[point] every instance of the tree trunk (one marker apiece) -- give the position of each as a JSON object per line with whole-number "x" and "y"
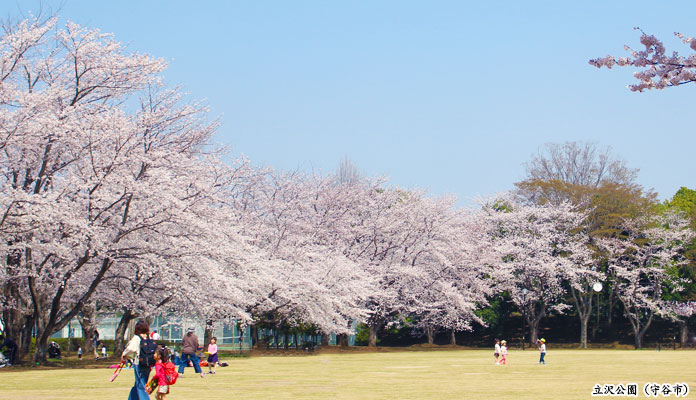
{"x": 41, "y": 350}
{"x": 639, "y": 328}
{"x": 208, "y": 334}
{"x": 325, "y": 339}
{"x": 18, "y": 325}
{"x": 88, "y": 323}
{"x": 25, "y": 339}
{"x": 583, "y": 305}
{"x": 453, "y": 338}
{"x": 610, "y": 309}
{"x": 583, "y": 331}
{"x": 51, "y": 316}
{"x": 372, "y": 338}
{"x": 342, "y": 340}
{"x": 534, "y": 328}
{"x": 595, "y": 327}
{"x": 254, "y": 335}
{"x": 430, "y": 334}
{"x": 533, "y": 313}
{"x": 123, "y": 323}
{"x": 639, "y": 340}
{"x": 683, "y": 333}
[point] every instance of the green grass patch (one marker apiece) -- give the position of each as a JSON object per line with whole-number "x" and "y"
{"x": 445, "y": 374}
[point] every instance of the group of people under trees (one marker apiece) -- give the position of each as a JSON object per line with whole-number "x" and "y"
{"x": 145, "y": 354}
{"x": 500, "y": 352}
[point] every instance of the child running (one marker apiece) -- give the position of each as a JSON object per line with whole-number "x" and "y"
{"x": 542, "y": 350}
{"x": 503, "y": 353}
{"x": 496, "y": 352}
{"x": 212, "y": 355}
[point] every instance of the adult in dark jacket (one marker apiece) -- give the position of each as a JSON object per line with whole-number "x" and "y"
{"x": 189, "y": 346}
{"x": 10, "y": 347}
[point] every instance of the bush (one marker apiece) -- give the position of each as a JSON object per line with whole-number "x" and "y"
{"x": 362, "y": 335}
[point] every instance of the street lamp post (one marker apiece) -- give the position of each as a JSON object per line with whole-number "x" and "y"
{"x": 524, "y": 321}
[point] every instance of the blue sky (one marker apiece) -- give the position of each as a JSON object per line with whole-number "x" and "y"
{"x": 450, "y": 96}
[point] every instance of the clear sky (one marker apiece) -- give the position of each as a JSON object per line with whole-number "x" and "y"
{"x": 450, "y": 96}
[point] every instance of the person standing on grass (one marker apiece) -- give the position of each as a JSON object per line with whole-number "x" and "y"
{"x": 496, "y": 352}
{"x": 503, "y": 353}
{"x": 95, "y": 342}
{"x": 140, "y": 343}
{"x": 212, "y": 355}
{"x": 11, "y": 348}
{"x": 79, "y": 352}
{"x": 542, "y": 350}
{"x": 189, "y": 346}
{"x": 162, "y": 363}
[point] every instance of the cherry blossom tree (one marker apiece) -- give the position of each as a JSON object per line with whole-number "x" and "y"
{"x": 659, "y": 69}
{"x": 581, "y": 279}
{"x": 683, "y": 310}
{"x": 643, "y": 264}
{"x": 450, "y": 255}
{"x": 298, "y": 224}
{"x": 91, "y": 181}
{"x": 386, "y": 235}
{"x": 538, "y": 248}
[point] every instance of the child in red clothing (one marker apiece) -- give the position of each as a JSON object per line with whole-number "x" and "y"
{"x": 161, "y": 357}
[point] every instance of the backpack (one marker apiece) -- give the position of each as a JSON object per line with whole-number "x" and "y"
{"x": 147, "y": 352}
{"x": 170, "y": 373}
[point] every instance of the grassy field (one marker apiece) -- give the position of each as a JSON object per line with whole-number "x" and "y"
{"x": 451, "y": 374}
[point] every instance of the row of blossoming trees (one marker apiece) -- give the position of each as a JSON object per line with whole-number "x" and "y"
{"x": 113, "y": 199}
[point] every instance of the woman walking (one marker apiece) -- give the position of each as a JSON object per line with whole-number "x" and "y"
{"x": 141, "y": 370}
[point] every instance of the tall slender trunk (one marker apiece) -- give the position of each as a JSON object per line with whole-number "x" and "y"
{"x": 595, "y": 327}
{"x": 453, "y": 338}
{"x": 583, "y": 331}
{"x": 209, "y": 331}
{"x": 610, "y": 309}
{"x": 683, "y": 333}
{"x": 534, "y": 331}
{"x": 583, "y": 305}
{"x": 430, "y": 334}
{"x": 325, "y": 339}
